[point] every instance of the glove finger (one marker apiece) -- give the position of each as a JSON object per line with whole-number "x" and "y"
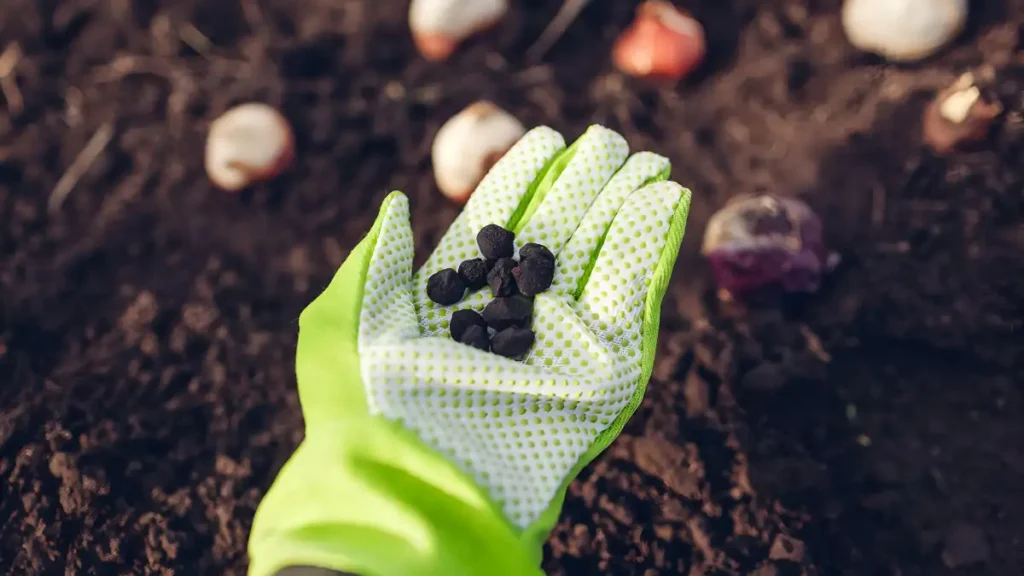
{"x": 387, "y": 312}
{"x": 555, "y": 212}
{"x": 632, "y": 269}
{"x": 501, "y": 196}
{"x": 577, "y": 258}
{"x": 330, "y": 327}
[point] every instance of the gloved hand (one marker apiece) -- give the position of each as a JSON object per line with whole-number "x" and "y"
{"x": 424, "y": 456}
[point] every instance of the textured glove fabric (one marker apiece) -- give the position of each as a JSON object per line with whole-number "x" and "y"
{"x": 519, "y": 428}
{"x": 424, "y": 456}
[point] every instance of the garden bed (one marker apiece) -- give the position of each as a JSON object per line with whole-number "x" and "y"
{"x": 148, "y": 322}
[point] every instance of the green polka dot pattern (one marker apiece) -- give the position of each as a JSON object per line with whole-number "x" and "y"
{"x": 600, "y": 154}
{"x": 518, "y": 428}
{"x": 573, "y": 260}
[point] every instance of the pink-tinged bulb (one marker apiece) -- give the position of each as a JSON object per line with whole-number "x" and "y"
{"x": 662, "y": 43}
{"x": 765, "y": 243}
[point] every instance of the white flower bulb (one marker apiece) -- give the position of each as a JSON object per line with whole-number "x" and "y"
{"x": 903, "y": 30}
{"x": 439, "y": 26}
{"x": 247, "y": 144}
{"x": 468, "y": 145}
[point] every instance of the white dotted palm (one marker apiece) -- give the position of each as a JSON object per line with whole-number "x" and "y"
{"x": 519, "y": 428}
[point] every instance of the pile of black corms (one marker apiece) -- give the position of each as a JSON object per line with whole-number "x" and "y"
{"x": 513, "y": 283}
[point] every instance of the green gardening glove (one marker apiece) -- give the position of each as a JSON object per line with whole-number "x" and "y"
{"x": 424, "y": 456}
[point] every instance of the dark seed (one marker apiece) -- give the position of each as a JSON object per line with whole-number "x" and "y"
{"x": 512, "y": 342}
{"x": 476, "y": 336}
{"x": 462, "y": 320}
{"x": 495, "y": 242}
{"x": 446, "y": 287}
{"x": 502, "y": 313}
{"x": 534, "y": 275}
{"x": 500, "y": 278}
{"x": 533, "y": 250}
{"x": 474, "y": 273}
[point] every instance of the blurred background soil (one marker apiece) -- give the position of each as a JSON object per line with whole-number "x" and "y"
{"x": 147, "y": 325}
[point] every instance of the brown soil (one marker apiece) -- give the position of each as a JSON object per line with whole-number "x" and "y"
{"x": 147, "y": 324}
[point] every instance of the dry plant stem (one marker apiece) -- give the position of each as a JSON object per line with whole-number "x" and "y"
{"x": 80, "y": 165}
{"x": 195, "y": 39}
{"x": 8, "y": 83}
{"x": 255, "y": 19}
{"x": 565, "y": 16}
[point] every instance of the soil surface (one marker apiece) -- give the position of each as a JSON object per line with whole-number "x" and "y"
{"x": 148, "y": 322}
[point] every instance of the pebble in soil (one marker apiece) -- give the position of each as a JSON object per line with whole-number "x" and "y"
{"x": 464, "y": 319}
{"x": 496, "y": 242}
{"x": 446, "y": 287}
{"x": 500, "y": 278}
{"x": 474, "y": 273}
{"x": 502, "y": 313}
{"x": 512, "y": 342}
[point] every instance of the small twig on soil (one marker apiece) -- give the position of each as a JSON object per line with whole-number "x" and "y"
{"x": 565, "y": 16}
{"x": 124, "y": 65}
{"x": 254, "y": 17}
{"x": 8, "y": 83}
{"x": 878, "y": 202}
{"x": 80, "y": 165}
{"x": 180, "y": 78}
{"x": 814, "y": 344}
{"x": 195, "y": 39}
{"x": 73, "y": 99}
{"x": 533, "y": 75}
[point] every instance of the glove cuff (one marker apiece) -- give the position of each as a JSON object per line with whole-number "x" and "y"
{"x": 365, "y": 496}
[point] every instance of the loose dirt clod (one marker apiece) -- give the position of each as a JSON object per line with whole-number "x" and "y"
{"x": 512, "y": 342}
{"x": 496, "y": 242}
{"x": 476, "y": 336}
{"x": 965, "y": 545}
{"x": 502, "y": 313}
{"x": 446, "y": 287}
{"x": 532, "y": 250}
{"x": 500, "y": 278}
{"x": 462, "y": 320}
{"x": 534, "y": 275}
{"x": 474, "y": 273}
